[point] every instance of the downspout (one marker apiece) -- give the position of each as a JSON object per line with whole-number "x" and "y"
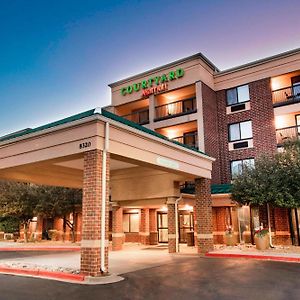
{"x": 269, "y": 224}
{"x": 103, "y": 199}
{"x": 176, "y": 223}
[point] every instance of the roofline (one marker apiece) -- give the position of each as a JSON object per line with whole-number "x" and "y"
{"x": 92, "y": 115}
{"x": 258, "y": 62}
{"x": 176, "y": 62}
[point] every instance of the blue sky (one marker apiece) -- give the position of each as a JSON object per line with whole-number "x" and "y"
{"x": 57, "y": 57}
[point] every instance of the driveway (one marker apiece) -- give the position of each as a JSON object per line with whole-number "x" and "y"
{"x": 131, "y": 258}
{"x": 187, "y": 278}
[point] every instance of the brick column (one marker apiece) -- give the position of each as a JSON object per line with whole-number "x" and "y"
{"x": 144, "y": 226}
{"x": 91, "y": 214}
{"x": 204, "y": 215}
{"x": 117, "y": 228}
{"x": 153, "y": 227}
{"x": 171, "y": 226}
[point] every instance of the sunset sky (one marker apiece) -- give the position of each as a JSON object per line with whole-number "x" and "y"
{"x": 57, "y": 57}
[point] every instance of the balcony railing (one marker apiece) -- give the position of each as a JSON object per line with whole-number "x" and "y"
{"x": 140, "y": 117}
{"x": 286, "y": 95}
{"x": 287, "y": 134}
{"x": 189, "y": 139}
{"x": 175, "y": 109}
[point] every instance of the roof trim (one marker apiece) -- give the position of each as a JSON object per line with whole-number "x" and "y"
{"x": 176, "y": 62}
{"x": 258, "y": 62}
{"x": 91, "y": 113}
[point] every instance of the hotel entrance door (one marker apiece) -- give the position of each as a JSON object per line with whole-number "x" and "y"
{"x": 186, "y": 224}
{"x": 162, "y": 226}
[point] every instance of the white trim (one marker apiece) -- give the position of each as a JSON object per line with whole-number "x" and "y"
{"x": 118, "y": 234}
{"x": 93, "y": 243}
{"x": 144, "y": 233}
{"x": 205, "y": 236}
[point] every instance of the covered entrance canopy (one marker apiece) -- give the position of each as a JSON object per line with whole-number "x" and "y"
{"x": 102, "y": 153}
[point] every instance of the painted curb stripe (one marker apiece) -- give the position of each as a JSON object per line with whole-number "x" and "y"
{"x": 40, "y": 249}
{"x": 42, "y": 273}
{"x": 261, "y": 257}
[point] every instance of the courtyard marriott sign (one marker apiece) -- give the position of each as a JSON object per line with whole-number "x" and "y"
{"x": 154, "y": 84}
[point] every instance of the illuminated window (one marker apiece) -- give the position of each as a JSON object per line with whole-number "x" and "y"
{"x": 131, "y": 222}
{"x": 238, "y": 95}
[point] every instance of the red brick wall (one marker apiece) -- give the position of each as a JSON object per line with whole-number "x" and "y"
{"x": 171, "y": 228}
{"x": 203, "y": 206}
{"x": 91, "y": 213}
{"x": 282, "y": 227}
{"x": 219, "y": 224}
{"x": 132, "y": 237}
{"x": 211, "y": 136}
{"x": 262, "y": 116}
{"x": 144, "y": 226}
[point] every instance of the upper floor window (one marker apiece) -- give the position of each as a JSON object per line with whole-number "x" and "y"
{"x": 237, "y": 166}
{"x": 240, "y": 131}
{"x": 238, "y": 95}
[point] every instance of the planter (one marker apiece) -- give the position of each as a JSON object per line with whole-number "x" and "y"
{"x": 53, "y": 234}
{"x": 262, "y": 243}
{"x": 230, "y": 239}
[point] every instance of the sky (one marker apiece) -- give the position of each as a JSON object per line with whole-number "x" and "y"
{"x": 58, "y": 57}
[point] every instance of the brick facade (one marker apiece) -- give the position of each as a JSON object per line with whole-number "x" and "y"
{"x": 210, "y": 120}
{"x": 171, "y": 228}
{"x": 144, "y": 226}
{"x": 91, "y": 214}
{"x": 203, "y": 207}
{"x": 262, "y": 116}
{"x": 117, "y": 228}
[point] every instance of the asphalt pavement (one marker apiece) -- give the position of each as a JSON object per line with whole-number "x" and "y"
{"x": 189, "y": 278}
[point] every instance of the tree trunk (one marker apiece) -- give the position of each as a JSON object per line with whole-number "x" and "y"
{"x": 73, "y": 226}
{"x": 25, "y": 232}
{"x": 64, "y": 228}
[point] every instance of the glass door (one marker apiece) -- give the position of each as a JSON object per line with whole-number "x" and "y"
{"x": 162, "y": 226}
{"x": 244, "y": 224}
{"x": 296, "y": 86}
{"x": 186, "y": 224}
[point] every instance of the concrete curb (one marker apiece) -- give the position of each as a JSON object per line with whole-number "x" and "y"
{"x": 55, "y": 248}
{"x": 60, "y": 276}
{"x": 43, "y": 274}
{"x": 253, "y": 256}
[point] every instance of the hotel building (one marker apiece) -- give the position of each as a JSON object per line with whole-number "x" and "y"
{"x": 234, "y": 116}
{"x": 157, "y": 165}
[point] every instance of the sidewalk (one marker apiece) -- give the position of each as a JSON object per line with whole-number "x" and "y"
{"x": 279, "y": 253}
{"x": 39, "y": 246}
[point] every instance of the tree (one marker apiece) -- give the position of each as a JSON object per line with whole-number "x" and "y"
{"x": 18, "y": 200}
{"x": 59, "y": 202}
{"x": 23, "y": 201}
{"x": 274, "y": 180}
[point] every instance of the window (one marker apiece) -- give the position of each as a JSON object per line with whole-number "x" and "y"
{"x": 238, "y": 95}
{"x": 188, "y": 105}
{"x": 190, "y": 139}
{"x": 296, "y": 86}
{"x": 131, "y": 222}
{"x": 240, "y": 131}
{"x": 237, "y": 166}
